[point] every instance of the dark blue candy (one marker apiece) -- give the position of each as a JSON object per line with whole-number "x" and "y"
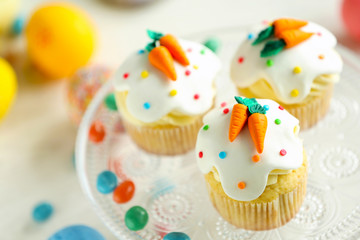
{"x": 42, "y": 212}
{"x": 77, "y": 232}
{"x": 106, "y": 182}
{"x": 176, "y": 236}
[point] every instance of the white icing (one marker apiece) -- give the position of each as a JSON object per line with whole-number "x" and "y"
{"x": 155, "y": 89}
{"x": 238, "y": 166}
{"x": 280, "y": 76}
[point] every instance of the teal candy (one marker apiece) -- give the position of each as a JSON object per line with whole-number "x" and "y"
{"x": 42, "y": 212}
{"x": 213, "y": 44}
{"x": 136, "y": 218}
{"x": 106, "y": 182}
{"x": 176, "y": 236}
{"x": 77, "y": 232}
{"x": 18, "y": 25}
{"x": 110, "y": 102}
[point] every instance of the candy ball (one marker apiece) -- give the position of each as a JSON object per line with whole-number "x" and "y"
{"x": 106, "y": 182}
{"x": 77, "y": 232}
{"x": 42, "y": 212}
{"x": 60, "y": 39}
{"x": 124, "y": 192}
{"x": 82, "y": 87}
{"x": 97, "y": 132}
{"x": 136, "y": 218}
{"x": 350, "y": 14}
{"x": 176, "y": 236}
{"x": 8, "y": 86}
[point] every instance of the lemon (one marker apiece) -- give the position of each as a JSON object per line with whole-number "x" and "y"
{"x": 8, "y": 86}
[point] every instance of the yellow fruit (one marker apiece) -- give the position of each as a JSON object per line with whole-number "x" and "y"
{"x": 8, "y": 86}
{"x": 60, "y": 39}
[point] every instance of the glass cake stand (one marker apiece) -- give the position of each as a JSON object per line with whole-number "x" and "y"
{"x": 172, "y": 189}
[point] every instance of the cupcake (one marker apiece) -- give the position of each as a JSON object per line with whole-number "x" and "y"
{"x": 254, "y": 164}
{"x": 292, "y": 62}
{"x": 163, "y": 91}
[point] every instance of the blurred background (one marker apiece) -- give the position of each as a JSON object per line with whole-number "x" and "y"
{"x": 37, "y": 133}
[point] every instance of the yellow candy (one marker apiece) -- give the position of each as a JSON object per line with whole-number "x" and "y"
{"x": 60, "y": 39}
{"x": 8, "y": 86}
{"x": 173, "y": 92}
{"x": 294, "y": 93}
{"x": 144, "y": 74}
{"x": 297, "y": 70}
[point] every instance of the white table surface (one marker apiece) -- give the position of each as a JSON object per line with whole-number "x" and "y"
{"x": 36, "y": 137}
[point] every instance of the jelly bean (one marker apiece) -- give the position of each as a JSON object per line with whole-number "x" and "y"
{"x": 97, "y": 132}
{"x": 124, "y": 192}
{"x": 110, "y": 102}
{"x": 213, "y": 44}
{"x": 176, "y": 236}
{"x": 77, "y": 232}
{"x": 106, "y": 182}
{"x": 42, "y": 212}
{"x": 136, "y": 218}
{"x": 18, "y": 25}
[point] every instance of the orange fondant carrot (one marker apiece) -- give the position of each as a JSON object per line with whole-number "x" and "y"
{"x": 284, "y": 24}
{"x": 172, "y": 44}
{"x": 238, "y": 119}
{"x": 257, "y": 123}
{"x": 294, "y": 37}
{"x": 161, "y": 58}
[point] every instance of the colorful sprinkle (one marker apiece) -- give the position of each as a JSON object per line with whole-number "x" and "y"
{"x": 226, "y": 111}
{"x": 265, "y": 22}
{"x": 241, "y": 185}
{"x": 126, "y": 75}
{"x": 201, "y": 154}
{"x": 106, "y": 182}
{"x": 144, "y": 74}
{"x": 277, "y": 121}
{"x": 136, "y": 218}
{"x": 202, "y": 51}
{"x": 223, "y": 104}
{"x": 269, "y": 63}
{"x": 42, "y": 212}
{"x": 97, "y": 132}
{"x": 196, "y": 96}
{"x": 266, "y": 107}
{"x": 296, "y": 129}
{"x": 187, "y": 72}
{"x": 255, "y": 158}
{"x": 147, "y": 105}
{"x": 319, "y": 34}
{"x": 173, "y": 92}
{"x": 206, "y": 127}
{"x": 282, "y": 152}
{"x": 141, "y": 51}
{"x": 294, "y": 92}
{"x": 241, "y": 59}
{"x": 297, "y": 70}
{"x": 124, "y": 192}
{"x": 281, "y": 107}
{"x": 196, "y": 67}
{"x": 222, "y": 155}
{"x": 189, "y": 50}
{"x": 250, "y": 36}
{"x": 321, "y": 56}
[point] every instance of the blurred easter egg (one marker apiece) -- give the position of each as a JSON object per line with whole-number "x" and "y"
{"x": 8, "y": 86}
{"x": 351, "y": 17}
{"x": 60, "y": 39}
{"x": 82, "y": 87}
{"x": 77, "y": 232}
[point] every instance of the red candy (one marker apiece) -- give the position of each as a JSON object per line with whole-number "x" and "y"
{"x": 223, "y": 104}
{"x": 124, "y": 192}
{"x": 282, "y": 152}
{"x": 281, "y": 107}
{"x": 126, "y": 75}
{"x": 241, "y": 59}
{"x": 201, "y": 154}
{"x": 187, "y": 72}
{"x": 196, "y": 96}
{"x": 226, "y": 111}
{"x": 97, "y": 132}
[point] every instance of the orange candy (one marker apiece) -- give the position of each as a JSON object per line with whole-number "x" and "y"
{"x": 97, "y": 132}
{"x": 241, "y": 185}
{"x": 124, "y": 192}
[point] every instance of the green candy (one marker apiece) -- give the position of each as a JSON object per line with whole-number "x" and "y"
{"x": 110, "y": 102}
{"x": 213, "y": 44}
{"x": 136, "y": 218}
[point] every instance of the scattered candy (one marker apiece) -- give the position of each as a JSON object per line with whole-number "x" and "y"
{"x": 201, "y": 154}
{"x": 269, "y": 63}
{"x": 147, "y": 105}
{"x": 266, "y": 107}
{"x": 202, "y": 51}
{"x": 144, "y": 74}
{"x": 97, "y": 132}
{"x": 196, "y": 96}
{"x": 241, "y": 185}
{"x": 77, "y": 232}
{"x": 18, "y": 25}
{"x": 222, "y": 155}
{"x": 126, "y": 75}
{"x": 277, "y": 121}
{"x": 196, "y": 67}
{"x": 124, "y": 192}
{"x": 173, "y": 92}
{"x": 256, "y": 158}
{"x": 282, "y": 152}
{"x": 110, "y": 102}
{"x": 281, "y": 107}
{"x": 176, "y": 236}
{"x": 223, "y": 104}
{"x": 206, "y": 127}
{"x": 294, "y": 93}
{"x": 106, "y": 182}
{"x": 42, "y": 212}
{"x": 141, "y": 51}
{"x": 213, "y": 44}
{"x": 226, "y": 111}
{"x": 321, "y": 56}
{"x": 297, "y": 70}
{"x": 250, "y": 36}
{"x": 241, "y": 59}
{"x": 187, "y": 72}
{"x": 136, "y": 218}
{"x": 319, "y": 34}
{"x": 189, "y": 50}
{"x": 8, "y": 86}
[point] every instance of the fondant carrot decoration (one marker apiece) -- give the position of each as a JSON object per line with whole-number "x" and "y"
{"x": 161, "y": 58}
{"x": 257, "y": 123}
{"x": 238, "y": 119}
{"x": 284, "y": 24}
{"x": 172, "y": 44}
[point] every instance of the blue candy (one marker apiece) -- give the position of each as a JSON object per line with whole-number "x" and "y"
{"x": 18, "y": 25}
{"x": 77, "y": 232}
{"x": 176, "y": 236}
{"x": 42, "y": 212}
{"x": 106, "y": 182}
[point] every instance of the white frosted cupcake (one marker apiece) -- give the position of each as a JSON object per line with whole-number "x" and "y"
{"x": 254, "y": 164}
{"x": 292, "y": 62}
{"x": 163, "y": 92}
